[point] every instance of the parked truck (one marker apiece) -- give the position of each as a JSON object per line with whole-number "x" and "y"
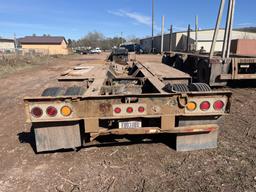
{"x": 126, "y": 98}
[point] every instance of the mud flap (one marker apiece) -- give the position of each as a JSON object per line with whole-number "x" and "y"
{"x": 191, "y": 142}
{"x": 55, "y": 136}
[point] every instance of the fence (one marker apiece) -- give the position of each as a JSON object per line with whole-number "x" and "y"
{"x": 18, "y": 57}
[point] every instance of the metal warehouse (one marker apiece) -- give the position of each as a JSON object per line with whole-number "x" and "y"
{"x": 179, "y": 40}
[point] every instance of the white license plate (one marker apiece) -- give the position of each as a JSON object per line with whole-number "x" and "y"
{"x": 244, "y": 66}
{"x": 130, "y": 124}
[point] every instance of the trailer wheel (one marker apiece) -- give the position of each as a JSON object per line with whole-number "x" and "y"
{"x": 203, "y": 72}
{"x": 178, "y": 64}
{"x": 176, "y": 88}
{"x": 202, "y": 87}
{"x": 71, "y": 91}
{"x": 166, "y": 60}
{"x": 180, "y": 88}
{"x": 53, "y": 91}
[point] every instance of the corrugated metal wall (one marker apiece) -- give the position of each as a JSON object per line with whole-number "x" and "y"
{"x": 179, "y": 40}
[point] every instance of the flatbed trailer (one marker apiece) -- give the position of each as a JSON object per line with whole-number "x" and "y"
{"x": 214, "y": 71}
{"x": 135, "y": 98}
{"x": 217, "y": 68}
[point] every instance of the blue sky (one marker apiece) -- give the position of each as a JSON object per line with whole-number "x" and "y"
{"x": 73, "y": 19}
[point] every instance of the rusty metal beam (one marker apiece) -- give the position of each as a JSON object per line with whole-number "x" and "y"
{"x": 224, "y": 48}
{"x": 231, "y": 27}
{"x": 217, "y": 27}
{"x": 153, "y": 130}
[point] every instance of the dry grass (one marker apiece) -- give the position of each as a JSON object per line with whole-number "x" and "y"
{"x": 12, "y": 62}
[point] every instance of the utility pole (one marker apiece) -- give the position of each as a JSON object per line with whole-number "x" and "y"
{"x": 170, "y": 38}
{"x": 15, "y": 41}
{"x": 152, "y": 45}
{"x": 196, "y": 33}
{"x": 162, "y": 36}
{"x": 188, "y": 38}
{"x": 122, "y": 37}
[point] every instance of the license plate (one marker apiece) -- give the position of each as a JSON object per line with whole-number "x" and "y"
{"x": 244, "y": 66}
{"x": 130, "y": 124}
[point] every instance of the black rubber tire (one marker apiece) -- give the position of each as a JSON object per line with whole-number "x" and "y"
{"x": 176, "y": 88}
{"x": 202, "y": 87}
{"x": 178, "y": 64}
{"x": 72, "y": 91}
{"x": 190, "y": 66}
{"x": 53, "y": 91}
{"x": 180, "y": 88}
{"x": 165, "y": 60}
{"x": 203, "y": 72}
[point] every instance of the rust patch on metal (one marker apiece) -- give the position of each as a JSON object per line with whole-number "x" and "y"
{"x": 105, "y": 107}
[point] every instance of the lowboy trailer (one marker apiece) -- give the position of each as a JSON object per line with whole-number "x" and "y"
{"x": 214, "y": 71}
{"x": 132, "y": 98}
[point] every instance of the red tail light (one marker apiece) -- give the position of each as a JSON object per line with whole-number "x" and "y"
{"x": 51, "y": 111}
{"x": 117, "y": 110}
{"x": 37, "y": 112}
{"x": 129, "y": 110}
{"x": 218, "y": 105}
{"x": 204, "y": 106}
{"x": 141, "y": 109}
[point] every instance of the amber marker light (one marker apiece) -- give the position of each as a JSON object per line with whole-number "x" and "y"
{"x": 66, "y": 111}
{"x": 191, "y": 106}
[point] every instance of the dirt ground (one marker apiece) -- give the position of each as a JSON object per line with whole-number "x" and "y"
{"x": 149, "y": 166}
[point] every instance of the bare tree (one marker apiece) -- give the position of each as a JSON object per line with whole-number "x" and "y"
{"x": 133, "y": 39}
{"x": 97, "y": 39}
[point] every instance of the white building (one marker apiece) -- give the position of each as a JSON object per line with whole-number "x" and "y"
{"x": 179, "y": 40}
{"x": 7, "y": 45}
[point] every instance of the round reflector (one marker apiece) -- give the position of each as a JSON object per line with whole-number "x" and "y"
{"x": 51, "y": 111}
{"x": 129, "y": 110}
{"x": 66, "y": 111}
{"x": 141, "y": 109}
{"x": 117, "y": 110}
{"x": 204, "y": 106}
{"x": 37, "y": 112}
{"x": 191, "y": 106}
{"x": 218, "y": 105}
